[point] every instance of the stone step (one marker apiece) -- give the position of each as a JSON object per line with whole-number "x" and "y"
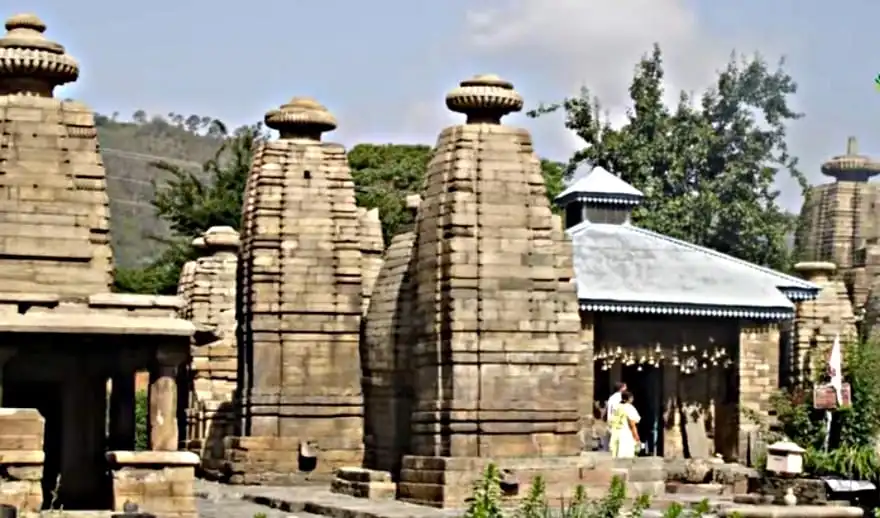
{"x": 707, "y": 490}
{"x": 322, "y": 502}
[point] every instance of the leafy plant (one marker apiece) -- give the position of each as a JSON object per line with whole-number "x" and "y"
{"x": 852, "y": 453}
{"x": 486, "y": 502}
{"x": 141, "y": 413}
{"x": 486, "y": 499}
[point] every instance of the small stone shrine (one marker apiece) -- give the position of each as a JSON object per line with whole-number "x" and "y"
{"x": 64, "y": 335}
{"x": 300, "y": 291}
{"x": 207, "y": 285}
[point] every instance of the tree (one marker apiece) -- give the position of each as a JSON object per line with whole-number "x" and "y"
{"x": 191, "y": 203}
{"x": 139, "y": 117}
{"x": 707, "y": 167}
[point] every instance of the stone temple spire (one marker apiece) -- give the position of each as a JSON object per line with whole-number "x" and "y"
{"x": 302, "y": 118}
{"x": 484, "y": 99}
{"x": 851, "y": 167}
{"x": 494, "y": 332}
{"x": 30, "y": 64}
{"x": 300, "y": 301}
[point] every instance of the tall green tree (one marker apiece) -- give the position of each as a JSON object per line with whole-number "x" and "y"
{"x": 708, "y": 165}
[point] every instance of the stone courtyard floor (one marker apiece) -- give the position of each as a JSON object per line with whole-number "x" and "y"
{"x": 222, "y": 501}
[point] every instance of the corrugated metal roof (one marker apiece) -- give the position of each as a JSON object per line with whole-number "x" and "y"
{"x": 626, "y": 268}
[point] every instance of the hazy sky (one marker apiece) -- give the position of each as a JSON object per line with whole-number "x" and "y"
{"x": 383, "y": 66}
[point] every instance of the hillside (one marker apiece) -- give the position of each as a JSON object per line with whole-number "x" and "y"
{"x": 128, "y": 149}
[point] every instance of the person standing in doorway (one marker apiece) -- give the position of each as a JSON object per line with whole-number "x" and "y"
{"x": 613, "y": 402}
{"x": 625, "y": 441}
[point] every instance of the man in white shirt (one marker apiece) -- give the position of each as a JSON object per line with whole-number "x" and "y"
{"x": 613, "y": 401}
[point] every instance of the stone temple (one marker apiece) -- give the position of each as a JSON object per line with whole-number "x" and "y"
{"x": 301, "y": 350}
{"x": 302, "y": 284}
{"x": 64, "y": 335}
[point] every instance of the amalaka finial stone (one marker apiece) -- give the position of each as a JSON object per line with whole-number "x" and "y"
{"x": 302, "y": 117}
{"x": 851, "y": 167}
{"x": 30, "y": 64}
{"x": 484, "y": 99}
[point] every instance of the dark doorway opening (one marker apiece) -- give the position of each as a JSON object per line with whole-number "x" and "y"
{"x": 646, "y": 385}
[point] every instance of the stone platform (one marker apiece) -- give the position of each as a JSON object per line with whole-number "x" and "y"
{"x": 447, "y": 481}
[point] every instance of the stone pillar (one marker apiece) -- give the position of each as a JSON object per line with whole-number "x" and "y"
{"x": 163, "y": 400}
{"x": 122, "y": 413}
{"x": 758, "y": 370}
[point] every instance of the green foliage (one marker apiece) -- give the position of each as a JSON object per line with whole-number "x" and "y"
{"x": 160, "y": 276}
{"x": 854, "y": 430}
{"x": 486, "y": 502}
{"x": 191, "y": 203}
{"x": 707, "y": 167}
{"x": 554, "y": 179}
{"x": 384, "y": 175}
{"x": 141, "y": 416}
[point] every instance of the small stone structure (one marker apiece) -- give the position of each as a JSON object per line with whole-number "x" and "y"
{"x": 301, "y": 287}
{"x": 22, "y": 459}
{"x": 63, "y": 334}
{"x": 207, "y": 285}
{"x": 818, "y": 322}
{"x": 839, "y": 219}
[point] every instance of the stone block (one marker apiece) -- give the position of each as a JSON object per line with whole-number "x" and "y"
{"x": 159, "y": 482}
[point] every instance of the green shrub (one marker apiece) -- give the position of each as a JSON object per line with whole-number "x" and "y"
{"x": 852, "y": 452}
{"x": 485, "y": 502}
{"x": 141, "y": 415}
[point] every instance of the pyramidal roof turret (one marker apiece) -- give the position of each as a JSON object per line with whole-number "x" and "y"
{"x": 599, "y": 186}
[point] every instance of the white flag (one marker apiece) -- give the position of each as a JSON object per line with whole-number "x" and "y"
{"x": 835, "y": 369}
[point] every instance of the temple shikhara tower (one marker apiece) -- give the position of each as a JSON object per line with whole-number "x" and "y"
{"x": 300, "y": 303}
{"x": 65, "y": 438}
{"x": 839, "y": 220}
{"x": 495, "y": 335}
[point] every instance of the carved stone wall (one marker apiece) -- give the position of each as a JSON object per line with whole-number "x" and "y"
{"x": 386, "y": 358}
{"x": 372, "y": 248}
{"x": 300, "y": 304}
{"x": 818, "y": 322}
{"x": 758, "y": 378}
{"x": 54, "y": 221}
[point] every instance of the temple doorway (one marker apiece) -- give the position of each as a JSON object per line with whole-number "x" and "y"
{"x": 646, "y": 386}
{"x": 45, "y": 397}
